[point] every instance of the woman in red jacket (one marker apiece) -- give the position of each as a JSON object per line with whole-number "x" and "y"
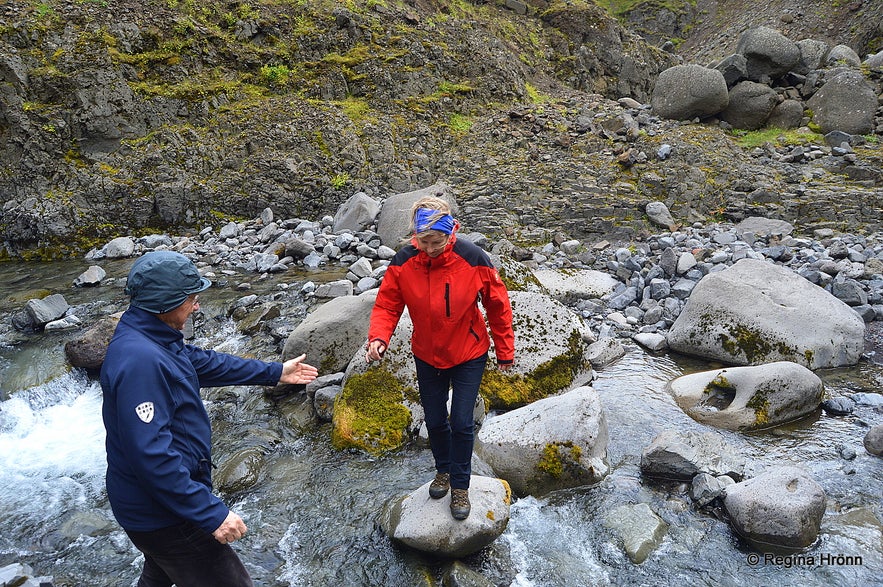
{"x": 441, "y": 280}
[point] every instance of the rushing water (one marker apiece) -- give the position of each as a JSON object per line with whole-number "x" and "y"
{"x": 313, "y": 513}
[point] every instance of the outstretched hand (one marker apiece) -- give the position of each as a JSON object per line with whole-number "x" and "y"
{"x": 296, "y": 373}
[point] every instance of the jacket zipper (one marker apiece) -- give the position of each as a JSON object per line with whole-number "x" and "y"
{"x": 448, "y": 300}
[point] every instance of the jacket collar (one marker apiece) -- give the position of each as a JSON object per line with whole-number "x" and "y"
{"x": 152, "y": 327}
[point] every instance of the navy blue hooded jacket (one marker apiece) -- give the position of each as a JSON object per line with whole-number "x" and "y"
{"x": 158, "y": 432}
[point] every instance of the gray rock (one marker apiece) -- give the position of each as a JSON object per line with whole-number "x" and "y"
{"x": 552, "y": 443}
{"x": 651, "y": 340}
{"x": 873, "y": 440}
{"x": 119, "y": 248}
{"x": 842, "y": 55}
{"x": 660, "y": 215}
{"x": 811, "y": 54}
{"x": 750, "y": 105}
{"x": 604, "y": 352}
{"x": 846, "y": 103}
{"x": 768, "y": 52}
{"x": 335, "y": 289}
{"x": 425, "y": 524}
{"x": 639, "y": 528}
{"x": 357, "y": 213}
{"x": 331, "y": 334}
{"x": 683, "y": 455}
{"x": 43, "y": 311}
{"x": 748, "y": 398}
{"x": 684, "y": 92}
{"x": 786, "y": 115}
{"x": 706, "y": 488}
{"x": 572, "y": 285}
{"x": 757, "y": 312}
{"x": 733, "y": 68}
{"x": 90, "y": 277}
{"x": 839, "y": 406}
{"x": 782, "y": 507}
{"x": 323, "y": 401}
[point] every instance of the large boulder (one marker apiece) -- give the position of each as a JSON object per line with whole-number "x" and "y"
{"x": 332, "y": 333}
{"x": 757, "y": 312}
{"x": 846, "y": 103}
{"x": 684, "y": 92}
{"x": 553, "y": 443}
{"x": 357, "y": 213}
{"x": 425, "y": 524}
{"x": 748, "y": 398}
{"x": 782, "y": 507}
{"x": 769, "y": 54}
{"x": 750, "y": 105}
{"x": 394, "y": 219}
{"x": 577, "y": 284}
{"x": 812, "y": 52}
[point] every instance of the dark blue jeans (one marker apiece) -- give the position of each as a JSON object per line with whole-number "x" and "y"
{"x": 451, "y": 438}
{"x": 188, "y": 556}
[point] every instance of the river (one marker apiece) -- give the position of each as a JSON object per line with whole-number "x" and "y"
{"x": 313, "y": 512}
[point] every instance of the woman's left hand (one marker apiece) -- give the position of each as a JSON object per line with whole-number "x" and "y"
{"x": 505, "y": 366}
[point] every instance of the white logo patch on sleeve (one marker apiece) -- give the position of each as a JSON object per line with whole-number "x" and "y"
{"x": 145, "y": 412}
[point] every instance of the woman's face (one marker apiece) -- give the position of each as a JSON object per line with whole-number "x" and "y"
{"x": 433, "y": 243}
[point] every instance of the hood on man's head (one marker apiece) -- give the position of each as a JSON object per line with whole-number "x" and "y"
{"x": 160, "y": 281}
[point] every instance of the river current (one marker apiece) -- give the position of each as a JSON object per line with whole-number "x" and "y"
{"x": 312, "y": 514}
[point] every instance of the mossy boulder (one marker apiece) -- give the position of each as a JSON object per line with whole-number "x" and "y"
{"x": 369, "y": 414}
{"x": 749, "y": 398}
{"x": 553, "y": 443}
{"x": 757, "y": 312}
{"x": 550, "y": 353}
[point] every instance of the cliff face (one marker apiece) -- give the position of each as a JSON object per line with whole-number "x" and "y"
{"x": 123, "y": 117}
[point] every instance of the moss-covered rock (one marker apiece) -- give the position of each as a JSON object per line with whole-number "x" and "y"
{"x": 369, "y": 415}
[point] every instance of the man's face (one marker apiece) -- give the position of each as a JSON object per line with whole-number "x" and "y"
{"x": 178, "y": 317}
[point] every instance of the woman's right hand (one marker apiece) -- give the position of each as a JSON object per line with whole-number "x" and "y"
{"x": 374, "y": 351}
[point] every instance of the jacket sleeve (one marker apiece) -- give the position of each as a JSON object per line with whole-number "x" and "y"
{"x": 388, "y": 307}
{"x": 495, "y": 299}
{"x": 218, "y": 369}
{"x": 151, "y": 454}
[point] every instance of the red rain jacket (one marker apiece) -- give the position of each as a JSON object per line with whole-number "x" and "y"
{"x": 442, "y": 296}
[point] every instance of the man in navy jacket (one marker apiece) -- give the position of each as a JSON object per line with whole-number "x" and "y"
{"x": 159, "y": 434}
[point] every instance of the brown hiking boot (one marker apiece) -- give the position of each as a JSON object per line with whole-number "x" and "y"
{"x": 460, "y": 506}
{"x": 439, "y": 486}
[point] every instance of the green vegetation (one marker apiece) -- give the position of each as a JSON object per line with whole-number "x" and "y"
{"x": 559, "y": 457}
{"x": 506, "y": 391}
{"x": 756, "y": 138}
{"x": 368, "y": 413}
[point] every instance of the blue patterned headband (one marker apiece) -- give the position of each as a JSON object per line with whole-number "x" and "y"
{"x": 423, "y": 221}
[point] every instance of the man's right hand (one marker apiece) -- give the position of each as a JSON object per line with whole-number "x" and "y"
{"x": 232, "y": 528}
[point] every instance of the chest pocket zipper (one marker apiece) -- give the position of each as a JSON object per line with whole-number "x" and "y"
{"x": 448, "y": 300}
